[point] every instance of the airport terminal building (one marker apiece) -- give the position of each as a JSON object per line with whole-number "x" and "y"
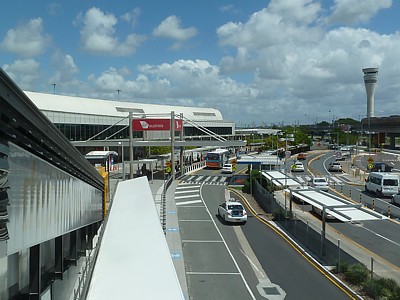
{"x": 81, "y": 119}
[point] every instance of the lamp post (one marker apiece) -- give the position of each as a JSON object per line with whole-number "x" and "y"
{"x": 123, "y": 159}
{"x": 288, "y": 138}
{"x": 130, "y": 117}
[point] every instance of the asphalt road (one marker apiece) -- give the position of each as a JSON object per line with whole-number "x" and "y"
{"x": 225, "y": 261}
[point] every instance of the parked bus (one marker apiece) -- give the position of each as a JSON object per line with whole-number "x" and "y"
{"x": 217, "y": 158}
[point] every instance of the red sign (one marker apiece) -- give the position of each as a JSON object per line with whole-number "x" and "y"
{"x": 155, "y": 124}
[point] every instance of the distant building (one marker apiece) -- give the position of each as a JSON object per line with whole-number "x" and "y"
{"x": 80, "y": 119}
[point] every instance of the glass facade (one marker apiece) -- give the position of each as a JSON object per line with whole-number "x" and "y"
{"x": 80, "y": 127}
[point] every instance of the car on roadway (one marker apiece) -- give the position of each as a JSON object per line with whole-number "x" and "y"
{"x": 396, "y": 198}
{"x": 232, "y": 211}
{"x": 301, "y": 156}
{"x": 319, "y": 183}
{"x": 335, "y": 167}
{"x": 297, "y": 167}
{"x": 227, "y": 168}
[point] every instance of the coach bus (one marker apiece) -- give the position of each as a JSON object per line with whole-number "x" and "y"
{"x": 217, "y": 158}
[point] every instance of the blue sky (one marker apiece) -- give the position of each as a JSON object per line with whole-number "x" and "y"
{"x": 258, "y": 62}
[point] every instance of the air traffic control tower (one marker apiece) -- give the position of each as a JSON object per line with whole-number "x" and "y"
{"x": 370, "y": 79}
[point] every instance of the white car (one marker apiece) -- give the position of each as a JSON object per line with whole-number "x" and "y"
{"x": 396, "y": 198}
{"x": 297, "y": 167}
{"x": 319, "y": 183}
{"x": 232, "y": 211}
{"x": 227, "y": 168}
{"x": 335, "y": 167}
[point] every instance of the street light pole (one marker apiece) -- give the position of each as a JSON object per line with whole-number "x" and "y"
{"x": 130, "y": 147}
{"x": 130, "y": 118}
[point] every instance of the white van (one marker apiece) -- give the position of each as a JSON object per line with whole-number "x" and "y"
{"x": 383, "y": 184}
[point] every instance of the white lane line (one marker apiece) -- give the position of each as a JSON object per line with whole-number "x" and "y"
{"x": 188, "y": 202}
{"x": 222, "y": 179}
{"x": 381, "y": 236}
{"x": 199, "y": 178}
{"x": 195, "y": 220}
{"x": 187, "y": 187}
{"x": 195, "y": 241}
{"x": 227, "y": 248}
{"x": 187, "y": 191}
{"x": 188, "y": 196}
{"x": 212, "y": 273}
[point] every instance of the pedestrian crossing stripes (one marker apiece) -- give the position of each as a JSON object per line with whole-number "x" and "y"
{"x": 206, "y": 179}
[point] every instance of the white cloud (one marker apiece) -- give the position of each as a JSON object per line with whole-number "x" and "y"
{"x": 296, "y": 11}
{"x": 27, "y": 40}
{"x": 354, "y": 11}
{"x": 132, "y": 17}
{"x": 299, "y": 64}
{"x": 98, "y": 35}
{"x": 171, "y": 28}
{"x": 25, "y": 72}
{"x": 65, "y": 67}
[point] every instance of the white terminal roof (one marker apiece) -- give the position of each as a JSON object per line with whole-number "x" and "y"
{"x": 90, "y": 106}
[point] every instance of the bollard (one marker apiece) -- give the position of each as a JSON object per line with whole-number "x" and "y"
{"x": 389, "y": 211}
{"x": 373, "y": 204}
{"x": 341, "y": 189}
{"x": 360, "y": 197}
{"x": 350, "y": 194}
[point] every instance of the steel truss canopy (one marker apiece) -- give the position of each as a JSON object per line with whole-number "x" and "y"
{"x": 339, "y": 208}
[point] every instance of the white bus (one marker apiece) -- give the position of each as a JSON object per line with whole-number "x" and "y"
{"x": 383, "y": 184}
{"x": 217, "y": 158}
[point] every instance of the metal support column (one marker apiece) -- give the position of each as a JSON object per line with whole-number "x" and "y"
{"x": 34, "y": 272}
{"x": 173, "y": 144}
{"x": 59, "y": 258}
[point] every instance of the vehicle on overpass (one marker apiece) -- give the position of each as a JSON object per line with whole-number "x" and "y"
{"x": 217, "y": 158}
{"x": 383, "y": 184}
{"x": 232, "y": 211}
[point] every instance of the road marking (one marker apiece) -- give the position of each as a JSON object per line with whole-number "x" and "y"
{"x": 195, "y": 220}
{"x": 229, "y": 251}
{"x": 188, "y": 196}
{"x": 381, "y": 236}
{"x": 196, "y": 241}
{"x": 187, "y": 187}
{"x": 183, "y": 192}
{"x": 188, "y": 202}
{"x": 212, "y": 273}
